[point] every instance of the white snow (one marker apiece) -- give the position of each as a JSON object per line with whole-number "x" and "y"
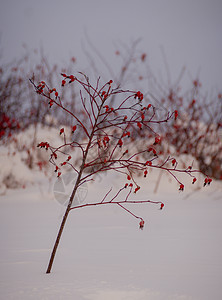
{"x": 15, "y": 156}
{"x": 102, "y": 254}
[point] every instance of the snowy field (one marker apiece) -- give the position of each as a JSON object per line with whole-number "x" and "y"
{"x": 103, "y": 255}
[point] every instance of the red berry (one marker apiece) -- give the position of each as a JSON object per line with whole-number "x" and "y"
{"x": 136, "y": 189}
{"x": 72, "y": 78}
{"x": 141, "y": 224}
{"x": 174, "y": 161}
{"x": 73, "y": 128}
{"x": 181, "y": 187}
{"x": 120, "y": 143}
{"x": 157, "y": 140}
{"x": 194, "y": 180}
{"x": 175, "y": 114}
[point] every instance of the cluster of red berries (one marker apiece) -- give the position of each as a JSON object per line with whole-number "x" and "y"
{"x": 40, "y": 87}
{"x": 108, "y": 109}
{"x": 207, "y": 181}
{"x": 6, "y": 124}
{"x": 139, "y": 96}
{"x": 71, "y": 78}
{"x": 43, "y": 145}
{"x": 151, "y": 149}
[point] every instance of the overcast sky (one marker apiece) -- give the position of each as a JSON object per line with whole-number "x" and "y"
{"x": 189, "y": 31}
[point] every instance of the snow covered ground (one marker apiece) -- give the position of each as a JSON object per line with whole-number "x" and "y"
{"x": 103, "y": 255}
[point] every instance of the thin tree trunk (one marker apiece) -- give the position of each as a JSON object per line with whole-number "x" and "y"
{"x": 57, "y": 241}
{"x": 71, "y": 199}
{"x": 63, "y": 223}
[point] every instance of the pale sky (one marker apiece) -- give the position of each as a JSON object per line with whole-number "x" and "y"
{"x": 189, "y": 31}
